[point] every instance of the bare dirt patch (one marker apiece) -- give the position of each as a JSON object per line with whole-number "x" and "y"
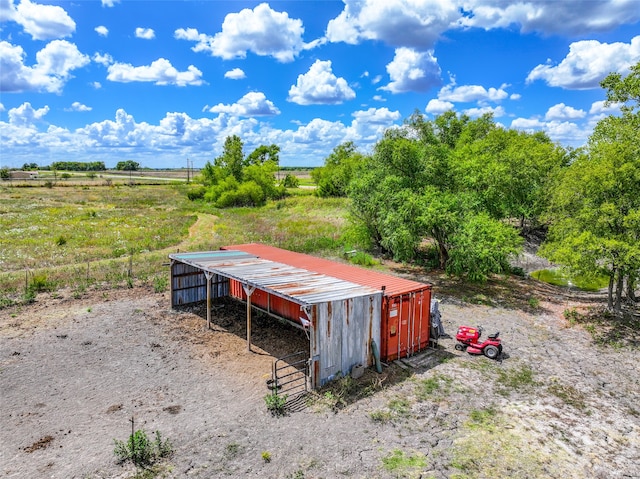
{"x": 74, "y": 371}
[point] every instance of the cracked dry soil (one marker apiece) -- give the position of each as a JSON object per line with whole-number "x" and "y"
{"x": 73, "y": 372}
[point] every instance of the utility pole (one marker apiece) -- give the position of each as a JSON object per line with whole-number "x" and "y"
{"x": 187, "y": 170}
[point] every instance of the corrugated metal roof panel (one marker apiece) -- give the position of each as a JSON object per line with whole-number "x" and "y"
{"x": 366, "y": 277}
{"x": 291, "y": 282}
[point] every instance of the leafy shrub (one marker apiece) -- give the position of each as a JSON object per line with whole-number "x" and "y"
{"x": 142, "y": 451}
{"x": 363, "y": 259}
{"x": 291, "y": 181}
{"x": 196, "y": 193}
{"x": 39, "y": 284}
{"x": 61, "y": 240}
{"x": 160, "y": 284}
{"x": 247, "y": 194}
{"x": 276, "y": 404}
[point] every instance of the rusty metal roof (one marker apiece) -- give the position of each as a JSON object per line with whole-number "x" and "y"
{"x": 290, "y": 282}
{"x": 394, "y": 285}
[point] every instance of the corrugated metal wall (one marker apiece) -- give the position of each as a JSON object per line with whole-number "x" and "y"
{"x": 189, "y": 284}
{"x": 342, "y": 336}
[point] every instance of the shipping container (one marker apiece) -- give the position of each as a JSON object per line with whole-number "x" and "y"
{"x": 405, "y": 306}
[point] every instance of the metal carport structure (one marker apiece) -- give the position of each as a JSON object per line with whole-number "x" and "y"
{"x": 342, "y": 318}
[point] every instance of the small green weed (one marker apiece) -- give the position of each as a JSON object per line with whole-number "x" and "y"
{"x": 299, "y": 474}
{"x": 142, "y": 451}
{"x": 363, "y": 259}
{"x": 427, "y": 388}
{"x": 39, "y": 284}
{"x": 568, "y": 394}
{"x": 381, "y": 416}
{"x": 403, "y": 464}
{"x": 61, "y": 240}
{"x": 482, "y": 419}
{"x": 534, "y": 303}
{"x": 232, "y": 449}
{"x": 160, "y": 284}
{"x": 512, "y": 379}
{"x": 266, "y": 456}
{"x": 276, "y": 404}
{"x": 6, "y": 301}
{"x": 396, "y": 408}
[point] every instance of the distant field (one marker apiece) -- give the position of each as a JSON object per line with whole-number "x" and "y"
{"x": 85, "y": 178}
{"x": 78, "y": 235}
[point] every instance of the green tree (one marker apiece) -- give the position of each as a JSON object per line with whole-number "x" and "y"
{"x": 127, "y": 165}
{"x": 4, "y": 173}
{"x": 232, "y": 158}
{"x": 595, "y": 207}
{"x": 334, "y": 177}
{"x": 262, "y": 154}
{"x": 233, "y": 180}
{"x": 408, "y": 194}
{"x": 510, "y": 171}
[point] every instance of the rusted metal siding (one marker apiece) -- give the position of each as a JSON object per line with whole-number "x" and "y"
{"x": 394, "y": 285}
{"x": 405, "y": 312}
{"x": 189, "y": 284}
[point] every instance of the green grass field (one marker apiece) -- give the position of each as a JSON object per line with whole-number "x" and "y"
{"x": 114, "y": 235}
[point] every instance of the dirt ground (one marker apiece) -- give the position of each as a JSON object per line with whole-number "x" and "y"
{"x": 73, "y": 372}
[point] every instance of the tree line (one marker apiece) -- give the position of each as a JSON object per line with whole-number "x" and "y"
{"x": 465, "y": 192}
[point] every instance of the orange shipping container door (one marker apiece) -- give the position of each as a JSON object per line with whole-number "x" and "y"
{"x": 407, "y": 325}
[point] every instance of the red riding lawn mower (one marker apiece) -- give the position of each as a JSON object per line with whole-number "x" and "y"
{"x": 469, "y": 341}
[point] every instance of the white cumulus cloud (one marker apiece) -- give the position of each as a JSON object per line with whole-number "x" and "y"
{"x": 399, "y": 23}
{"x": 235, "y": 74}
{"x": 497, "y": 112}
{"x": 102, "y": 30}
{"x": 587, "y": 63}
{"x": 262, "y": 31}
{"x": 103, "y": 59}
{"x": 436, "y": 106}
{"x": 109, "y": 3}
{"x": 563, "y": 112}
{"x": 25, "y": 115}
{"x": 411, "y": 70}
{"x": 369, "y": 125}
{"x": 160, "y": 72}
{"x": 471, "y": 93}
{"x": 145, "y": 33}
{"x": 42, "y": 22}
{"x": 77, "y": 106}
{"x": 599, "y": 107}
{"x": 320, "y": 86}
{"x": 52, "y": 70}
{"x": 252, "y": 104}
{"x": 565, "y": 132}
{"x": 557, "y": 17}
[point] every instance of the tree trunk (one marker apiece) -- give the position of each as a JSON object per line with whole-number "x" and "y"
{"x": 632, "y": 282}
{"x": 610, "y": 291}
{"x": 619, "y": 288}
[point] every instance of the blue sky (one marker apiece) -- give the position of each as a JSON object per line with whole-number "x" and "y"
{"x": 161, "y": 81}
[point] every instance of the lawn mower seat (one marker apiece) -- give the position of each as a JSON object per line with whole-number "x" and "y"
{"x": 494, "y": 336}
